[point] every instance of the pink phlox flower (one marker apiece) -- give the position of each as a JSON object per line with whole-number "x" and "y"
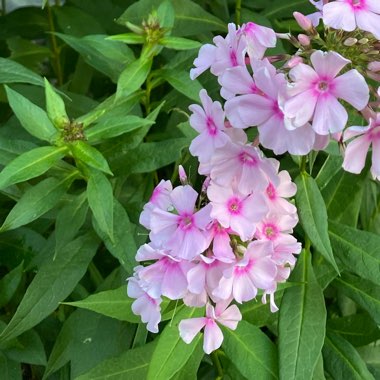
{"x": 258, "y": 38}
{"x": 284, "y": 248}
{"x": 209, "y": 123}
{"x": 244, "y": 164}
{"x": 235, "y": 210}
{"x": 145, "y": 306}
{"x": 160, "y": 198}
{"x": 213, "y": 336}
{"x": 221, "y": 247}
{"x": 316, "y": 16}
{"x": 184, "y": 232}
{"x": 263, "y": 108}
{"x": 256, "y": 270}
{"x": 349, "y": 14}
{"x": 362, "y": 139}
{"x": 167, "y": 277}
{"x": 315, "y": 92}
{"x": 227, "y": 52}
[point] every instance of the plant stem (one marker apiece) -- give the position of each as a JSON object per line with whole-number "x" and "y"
{"x": 238, "y": 12}
{"x": 217, "y": 364}
{"x": 56, "y": 50}
{"x": 303, "y": 164}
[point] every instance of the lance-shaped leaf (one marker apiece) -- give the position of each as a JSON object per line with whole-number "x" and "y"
{"x": 36, "y": 201}
{"x": 357, "y": 250}
{"x": 342, "y": 361}
{"x": 171, "y": 352}
{"x": 13, "y": 72}
{"x": 32, "y": 118}
{"x": 115, "y": 127}
{"x": 90, "y": 156}
{"x": 128, "y": 38}
{"x": 55, "y": 106}
{"x": 100, "y": 200}
{"x": 252, "y": 352}
{"x": 54, "y": 281}
{"x": 178, "y": 43}
{"x": 9, "y": 284}
{"x": 31, "y": 164}
{"x": 363, "y": 292}
{"x": 132, "y": 77}
{"x": 133, "y": 364}
{"x": 302, "y": 322}
{"x": 9, "y": 369}
{"x": 313, "y": 216}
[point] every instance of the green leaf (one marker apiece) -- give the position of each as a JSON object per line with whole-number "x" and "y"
{"x": 313, "y": 216}
{"x": 251, "y": 351}
{"x": 131, "y": 365}
{"x": 108, "y": 57}
{"x": 178, "y": 43}
{"x": 331, "y": 166}
{"x": 181, "y": 81}
{"x": 279, "y": 8}
{"x": 319, "y": 373}
{"x": 115, "y": 127}
{"x": 132, "y": 77}
{"x": 55, "y": 106}
{"x": 363, "y": 292}
{"x": 31, "y": 117}
{"x": 165, "y": 14}
{"x": 171, "y": 353}
{"x": 9, "y": 369}
{"x": 36, "y": 201}
{"x": 90, "y": 156}
{"x": 28, "y": 348}
{"x": 13, "y": 72}
{"x": 128, "y": 38}
{"x": 54, "y": 281}
{"x": 344, "y": 188}
{"x": 9, "y": 284}
{"x": 357, "y": 250}
{"x": 123, "y": 245}
{"x": 358, "y": 329}
{"x": 302, "y": 322}
{"x": 100, "y": 200}
{"x": 69, "y": 220}
{"x": 113, "y": 303}
{"x": 342, "y": 361}
{"x": 31, "y": 164}
{"x": 141, "y": 159}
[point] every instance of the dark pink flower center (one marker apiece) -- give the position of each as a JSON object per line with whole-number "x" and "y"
{"x": 270, "y": 231}
{"x": 186, "y": 222}
{"x": 211, "y": 127}
{"x": 155, "y": 194}
{"x": 247, "y": 159}
{"x": 234, "y": 205}
{"x": 277, "y": 110}
{"x": 271, "y": 191}
{"x": 233, "y": 58}
{"x": 357, "y": 4}
{"x": 374, "y": 133}
{"x": 241, "y": 270}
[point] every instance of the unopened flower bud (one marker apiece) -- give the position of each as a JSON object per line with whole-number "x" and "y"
{"x": 304, "y": 40}
{"x": 350, "y": 41}
{"x": 363, "y": 41}
{"x": 206, "y": 184}
{"x": 294, "y": 61}
{"x": 374, "y": 66}
{"x": 303, "y": 21}
{"x": 182, "y": 175}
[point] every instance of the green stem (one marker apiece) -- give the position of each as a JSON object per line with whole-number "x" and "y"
{"x": 238, "y": 12}
{"x": 56, "y": 51}
{"x": 3, "y": 7}
{"x": 303, "y": 164}
{"x": 217, "y": 365}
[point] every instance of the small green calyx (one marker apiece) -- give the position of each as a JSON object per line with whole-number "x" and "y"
{"x": 152, "y": 29}
{"x": 73, "y": 131}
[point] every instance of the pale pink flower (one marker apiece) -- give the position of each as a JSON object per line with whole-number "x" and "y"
{"x": 206, "y": 57}
{"x": 274, "y": 226}
{"x": 213, "y": 336}
{"x": 315, "y": 93}
{"x": 357, "y": 148}
{"x": 160, "y": 198}
{"x": 258, "y": 38}
{"x": 144, "y": 305}
{"x": 256, "y": 270}
{"x": 349, "y": 14}
{"x": 184, "y": 232}
{"x": 221, "y": 247}
{"x": 209, "y": 123}
{"x": 235, "y": 210}
{"x": 243, "y": 164}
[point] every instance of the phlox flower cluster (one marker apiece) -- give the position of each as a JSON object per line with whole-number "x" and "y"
{"x": 233, "y": 242}
{"x": 225, "y": 246}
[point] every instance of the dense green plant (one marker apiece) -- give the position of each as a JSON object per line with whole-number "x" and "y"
{"x": 93, "y": 114}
